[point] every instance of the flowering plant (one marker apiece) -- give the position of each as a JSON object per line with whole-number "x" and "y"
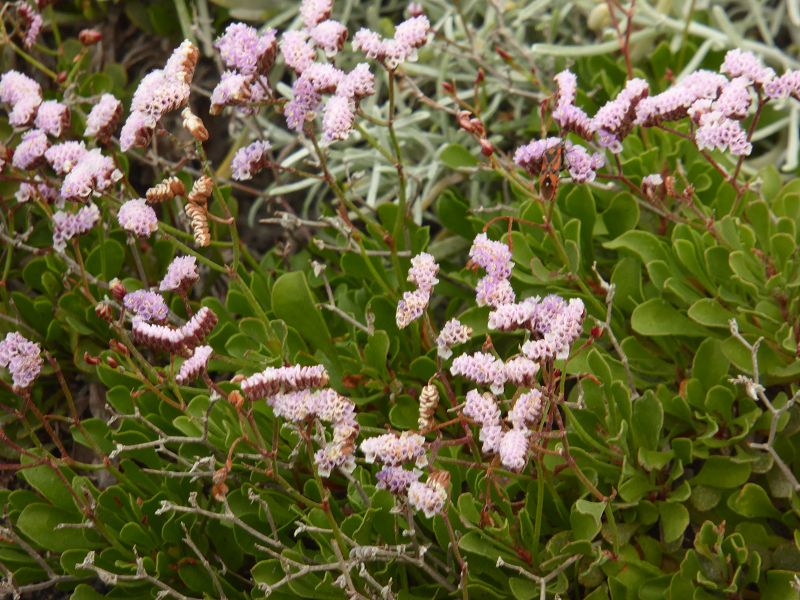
{"x": 326, "y": 302}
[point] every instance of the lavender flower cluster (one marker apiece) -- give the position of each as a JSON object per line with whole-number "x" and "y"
{"x": 423, "y": 275}
{"x": 22, "y": 358}
{"x": 293, "y": 395}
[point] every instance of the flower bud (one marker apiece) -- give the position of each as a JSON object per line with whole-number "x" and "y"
{"x": 89, "y": 37}
{"x": 103, "y": 311}
{"x": 117, "y": 289}
{"x": 487, "y": 148}
{"x": 90, "y": 360}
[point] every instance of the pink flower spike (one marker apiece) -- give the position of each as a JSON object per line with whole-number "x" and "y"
{"x": 513, "y": 449}
{"x": 22, "y": 359}
{"x": 68, "y": 225}
{"x": 337, "y": 118}
{"x": 103, "y": 118}
{"x": 241, "y": 47}
{"x": 63, "y": 157}
{"x": 138, "y": 217}
{"x": 52, "y": 118}
{"x": 452, "y": 334}
{"x": 250, "y": 160}
{"x": 146, "y": 305}
{"x": 195, "y": 365}
{"x": 739, "y": 63}
{"x": 315, "y": 11}
{"x": 329, "y": 36}
{"x": 297, "y": 52}
{"x": 30, "y": 151}
{"x": 181, "y": 274}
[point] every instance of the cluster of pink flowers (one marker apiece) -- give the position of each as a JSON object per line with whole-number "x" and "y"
{"x": 250, "y": 160}
{"x": 452, "y": 334}
{"x": 249, "y": 55}
{"x": 52, "y": 118}
{"x": 557, "y": 325}
{"x": 175, "y": 339}
{"x": 103, "y": 119}
{"x": 193, "y": 366}
{"x": 397, "y": 479}
{"x": 582, "y": 166}
{"x": 274, "y": 380}
{"x": 181, "y": 274}
{"x": 430, "y": 497}
{"x": 291, "y": 393}
{"x": 24, "y": 96}
{"x": 409, "y": 36}
{"x": 30, "y": 151}
{"x": 495, "y": 258}
{"x": 161, "y": 91}
{"x": 93, "y": 173}
{"x": 482, "y": 368}
{"x": 28, "y": 191}
{"x": 423, "y": 275}
{"x": 22, "y": 359}
{"x": 65, "y": 156}
{"x": 67, "y": 225}
{"x": 300, "y": 49}
{"x": 138, "y": 217}
{"x": 510, "y": 444}
{"x": 394, "y": 450}
{"x": 146, "y": 305}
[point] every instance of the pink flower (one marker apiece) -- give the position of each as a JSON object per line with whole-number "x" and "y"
{"x": 734, "y": 100}
{"x": 368, "y": 42}
{"x": 482, "y": 408}
{"x": 31, "y": 23}
{"x": 396, "y": 479}
{"x": 493, "y": 291}
{"x": 674, "y": 103}
{"x": 394, "y": 450}
{"x": 63, "y": 157}
{"x": 22, "y": 359}
{"x": 429, "y": 497}
{"x": 146, "y": 305}
{"x": 137, "y": 131}
{"x": 68, "y": 225}
{"x": 193, "y": 366}
{"x": 481, "y": 368}
{"x": 513, "y": 316}
{"x": 30, "y": 151}
{"x": 323, "y": 76}
{"x": 411, "y": 307}
{"x": 491, "y": 436}
{"x": 581, "y": 165}
{"x": 23, "y": 94}
{"x": 531, "y": 155}
{"x": 181, "y": 274}
{"x": 241, "y": 47}
{"x": 452, "y": 334}
{"x": 423, "y": 271}
{"x": 103, "y": 118}
{"x": 250, "y": 160}
{"x": 784, "y": 86}
{"x": 527, "y": 410}
{"x": 337, "y": 118}
{"x": 233, "y": 89}
{"x": 298, "y": 54}
{"x": 739, "y": 63}
{"x": 329, "y": 36}
{"x": 276, "y": 380}
{"x": 615, "y": 119}
{"x": 27, "y": 191}
{"x": 513, "y": 449}
{"x": 305, "y": 100}
{"x": 93, "y": 173}
{"x": 52, "y": 117}
{"x": 557, "y": 324}
{"x": 521, "y": 371}
{"x": 357, "y": 84}
{"x": 169, "y": 339}
{"x": 494, "y": 257}
{"x": 138, "y": 217}
{"x": 717, "y": 132}
{"x": 315, "y": 11}
{"x": 413, "y": 32}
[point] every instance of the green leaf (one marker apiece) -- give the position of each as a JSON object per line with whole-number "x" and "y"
{"x": 722, "y": 472}
{"x": 658, "y": 318}
{"x": 648, "y": 417}
{"x": 710, "y": 313}
{"x": 106, "y": 260}
{"x": 293, "y": 302}
{"x": 457, "y": 156}
{"x": 585, "y": 519}
{"x": 674, "y": 520}
{"x": 39, "y": 522}
{"x": 376, "y": 351}
{"x": 404, "y": 413}
{"x": 752, "y": 501}
{"x": 46, "y": 481}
